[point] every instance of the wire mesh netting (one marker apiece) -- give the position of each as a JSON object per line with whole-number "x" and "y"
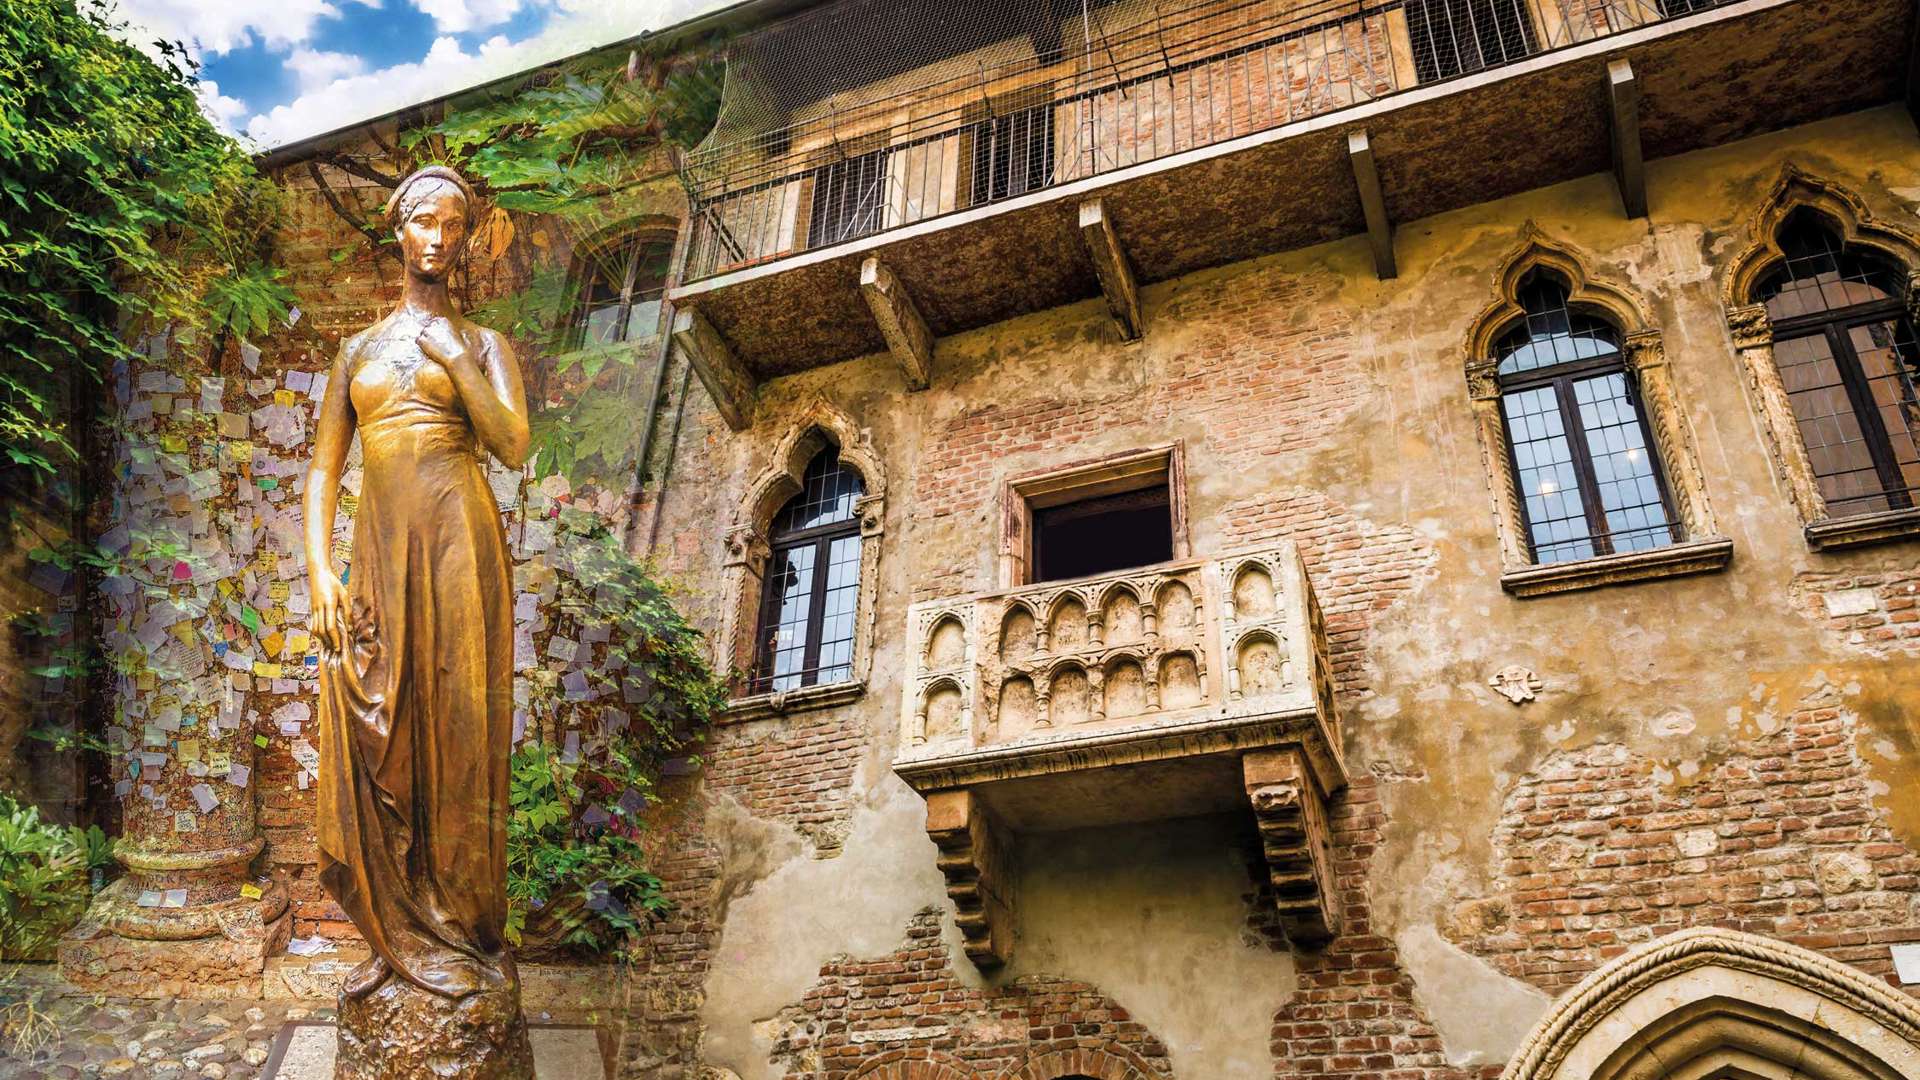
{"x": 860, "y": 116}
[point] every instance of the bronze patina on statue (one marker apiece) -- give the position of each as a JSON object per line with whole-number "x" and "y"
{"x": 416, "y": 680}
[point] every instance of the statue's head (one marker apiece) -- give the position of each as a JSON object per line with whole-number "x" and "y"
{"x": 431, "y": 214}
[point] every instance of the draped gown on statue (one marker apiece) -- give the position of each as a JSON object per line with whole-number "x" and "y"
{"x": 417, "y": 713}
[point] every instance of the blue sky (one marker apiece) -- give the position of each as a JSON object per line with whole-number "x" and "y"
{"x": 278, "y": 71}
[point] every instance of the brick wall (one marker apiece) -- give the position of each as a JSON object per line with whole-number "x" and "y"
{"x": 1595, "y": 853}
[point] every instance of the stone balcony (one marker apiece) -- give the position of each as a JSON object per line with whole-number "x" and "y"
{"x": 1306, "y": 132}
{"x": 1187, "y": 688}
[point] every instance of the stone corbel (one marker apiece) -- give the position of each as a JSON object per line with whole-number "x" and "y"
{"x": 727, "y": 380}
{"x": 1291, "y": 812}
{"x": 900, "y": 322}
{"x": 1111, "y": 266}
{"x": 975, "y": 860}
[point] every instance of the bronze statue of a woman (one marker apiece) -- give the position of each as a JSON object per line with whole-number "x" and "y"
{"x": 416, "y": 678}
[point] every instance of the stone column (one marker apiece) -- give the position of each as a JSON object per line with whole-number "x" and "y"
{"x": 187, "y": 914}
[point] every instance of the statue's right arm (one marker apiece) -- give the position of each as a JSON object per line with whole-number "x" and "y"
{"x": 332, "y": 438}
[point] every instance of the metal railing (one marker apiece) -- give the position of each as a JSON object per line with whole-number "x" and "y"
{"x": 1204, "y": 74}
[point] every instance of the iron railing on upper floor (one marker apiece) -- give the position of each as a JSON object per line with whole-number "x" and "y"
{"x": 1134, "y": 81}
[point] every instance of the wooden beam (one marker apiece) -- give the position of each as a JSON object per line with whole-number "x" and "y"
{"x": 729, "y": 383}
{"x": 1111, "y": 266}
{"x": 908, "y": 338}
{"x": 1623, "y": 102}
{"x": 1372, "y": 202}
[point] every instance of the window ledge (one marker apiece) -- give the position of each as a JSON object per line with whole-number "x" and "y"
{"x": 1674, "y": 560}
{"x": 1836, "y": 534}
{"x": 782, "y": 702}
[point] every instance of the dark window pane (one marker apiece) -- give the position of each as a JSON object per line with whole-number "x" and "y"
{"x": 1818, "y": 274}
{"x": 1891, "y": 364}
{"x": 827, "y": 495}
{"x": 1549, "y": 486}
{"x": 1551, "y": 333}
{"x": 785, "y": 616}
{"x": 1623, "y": 467}
{"x": 1101, "y": 535}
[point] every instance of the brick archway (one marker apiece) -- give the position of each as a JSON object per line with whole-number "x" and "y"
{"x": 914, "y": 1065}
{"x": 1109, "y": 1062}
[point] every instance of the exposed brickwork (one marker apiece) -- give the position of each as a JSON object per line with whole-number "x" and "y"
{"x": 1780, "y": 838}
{"x": 1358, "y": 568}
{"x": 1254, "y": 381}
{"x": 1876, "y": 612}
{"x": 887, "y": 1016}
{"x": 798, "y": 770}
{"x": 1354, "y": 1014}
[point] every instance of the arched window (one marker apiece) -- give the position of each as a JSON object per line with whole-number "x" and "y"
{"x": 620, "y": 289}
{"x": 1846, "y": 355}
{"x": 811, "y": 590}
{"x": 1581, "y": 452}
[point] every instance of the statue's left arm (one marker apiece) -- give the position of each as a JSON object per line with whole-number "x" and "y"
{"x": 489, "y": 385}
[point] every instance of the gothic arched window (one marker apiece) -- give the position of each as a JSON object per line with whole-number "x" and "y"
{"x": 1846, "y": 354}
{"x": 1582, "y": 455}
{"x": 811, "y": 589}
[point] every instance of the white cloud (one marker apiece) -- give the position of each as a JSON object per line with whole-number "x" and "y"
{"x": 314, "y": 69}
{"x": 352, "y": 97}
{"x": 218, "y": 26}
{"x": 226, "y": 112}
{"x": 461, "y": 16}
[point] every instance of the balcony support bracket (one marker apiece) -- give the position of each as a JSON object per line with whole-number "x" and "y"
{"x": 1623, "y": 105}
{"x": 974, "y": 857}
{"x": 728, "y": 381}
{"x": 1111, "y": 265}
{"x": 1291, "y": 812}
{"x": 908, "y": 338}
{"x": 1373, "y": 202}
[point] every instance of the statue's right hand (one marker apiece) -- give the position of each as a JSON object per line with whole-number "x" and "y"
{"x": 330, "y": 605}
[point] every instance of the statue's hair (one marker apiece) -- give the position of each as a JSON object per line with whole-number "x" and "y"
{"x": 399, "y": 204}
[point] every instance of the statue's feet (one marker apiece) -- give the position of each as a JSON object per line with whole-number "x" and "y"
{"x": 366, "y": 978}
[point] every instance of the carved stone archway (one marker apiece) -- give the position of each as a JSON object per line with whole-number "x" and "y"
{"x": 1644, "y": 356}
{"x": 818, "y": 426}
{"x": 1752, "y": 333}
{"x": 1708, "y": 1002}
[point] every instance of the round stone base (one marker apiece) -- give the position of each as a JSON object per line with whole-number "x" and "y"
{"x": 401, "y": 1032}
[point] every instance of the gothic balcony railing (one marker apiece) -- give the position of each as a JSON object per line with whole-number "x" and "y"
{"x": 1199, "y": 73}
{"x": 1168, "y": 691}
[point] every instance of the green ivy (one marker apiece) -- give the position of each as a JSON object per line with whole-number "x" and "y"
{"x": 121, "y": 209}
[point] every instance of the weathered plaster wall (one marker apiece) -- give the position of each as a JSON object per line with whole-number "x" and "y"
{"x": 1318, "y": 403}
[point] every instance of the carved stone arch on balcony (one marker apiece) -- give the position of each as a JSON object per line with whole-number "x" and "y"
{"x": 1711, "y": 1002}
{"x": 1180, "y": 677}
{"x": 1017, "y": 636}
{"x": 1122, "y": 614}
{"x": 1252, "y": 591}
{"x": 1643, "y": 352}
{"x": 1257, "y": 664}
{"x": 1109, "y": 1061}
{"x": 944, "y": 712}
{"x": 1125, "y": 688}
{"x": 1858, "y": 227}
{"x": 1061, "y": 629}
{"x": 815, "y": 428}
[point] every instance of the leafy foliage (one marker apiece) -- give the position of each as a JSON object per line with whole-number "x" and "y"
{"x": 121, "y": 207}
{"x": 576, "y": 867}
{"x": 43, "y": 879}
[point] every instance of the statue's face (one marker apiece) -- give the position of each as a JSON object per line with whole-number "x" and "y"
{"x": 434, "y": 232}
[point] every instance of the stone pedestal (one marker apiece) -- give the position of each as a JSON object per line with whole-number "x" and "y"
{"x": 217, "y": 943}
{"x": 401, "y": 1032}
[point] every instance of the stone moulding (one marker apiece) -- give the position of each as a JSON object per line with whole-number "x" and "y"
{"x": 1644, "y": 356}
{"x": 1707, "y": 997}
{"x": 817, "y": 426}
{"x": 1178, "y": 676}
{"x": 1751, "y": 332}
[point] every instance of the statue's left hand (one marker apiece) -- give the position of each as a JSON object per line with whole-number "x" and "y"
{"x": 442, "y": 343}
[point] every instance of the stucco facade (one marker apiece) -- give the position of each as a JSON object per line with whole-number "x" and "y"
{"x": 1538, "y": 775}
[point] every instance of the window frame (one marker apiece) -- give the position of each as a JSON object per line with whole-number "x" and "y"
{"x": 1641, "y": 356}
{"x": 1562, "y": 377}
{"x": 1753, "y": 333}
{"x": 822, "y": 539}
{"x": 636, "y": 241}
{"x": 1115, "y": 474}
